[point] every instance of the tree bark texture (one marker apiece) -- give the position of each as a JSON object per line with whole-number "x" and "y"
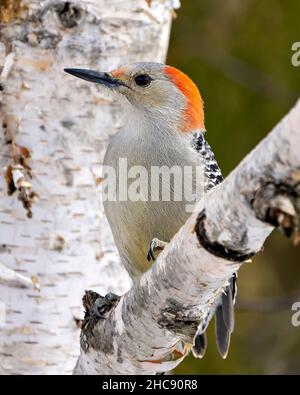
{"x": 145, "y": 332}
{"x": 54, "y": 239}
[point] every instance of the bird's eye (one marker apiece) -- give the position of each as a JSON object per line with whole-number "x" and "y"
{"x": 143, "y": 79}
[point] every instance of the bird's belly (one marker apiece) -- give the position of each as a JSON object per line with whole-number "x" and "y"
{"x": 135, "y": 224}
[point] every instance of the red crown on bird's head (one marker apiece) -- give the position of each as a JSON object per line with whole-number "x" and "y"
{"x": 194, "y": 111}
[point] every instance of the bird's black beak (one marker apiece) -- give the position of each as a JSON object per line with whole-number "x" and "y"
{"x": 95, "y": 76}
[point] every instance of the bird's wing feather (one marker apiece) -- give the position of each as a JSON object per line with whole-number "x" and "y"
{"x": 224, "y": 306}
{"x": 212, "y": 172}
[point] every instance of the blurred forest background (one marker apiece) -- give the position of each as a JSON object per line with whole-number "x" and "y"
{"x": 239, "y": 55}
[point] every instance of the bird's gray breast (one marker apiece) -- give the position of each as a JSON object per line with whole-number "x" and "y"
{"x": 135, "y": 223}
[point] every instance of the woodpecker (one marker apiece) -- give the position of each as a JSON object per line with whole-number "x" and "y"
{"x": 164, "y": 126}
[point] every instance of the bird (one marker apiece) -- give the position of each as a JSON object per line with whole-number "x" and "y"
{"x": 163, "y": 126}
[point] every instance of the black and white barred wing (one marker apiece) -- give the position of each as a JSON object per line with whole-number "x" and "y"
{"x": 223, "y": 308}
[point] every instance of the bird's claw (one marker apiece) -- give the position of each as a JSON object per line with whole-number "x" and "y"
{"x": 155, "y": 245}
{"x": 150, "y": 255}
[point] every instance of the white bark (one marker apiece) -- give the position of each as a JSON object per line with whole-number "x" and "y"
{"x": 47, "y": 261}
{"x": 144, "y": 332}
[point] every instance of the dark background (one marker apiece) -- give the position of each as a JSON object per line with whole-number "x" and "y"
{"x": 239, "y": 54}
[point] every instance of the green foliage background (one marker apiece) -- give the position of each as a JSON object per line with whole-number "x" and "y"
{"x": 239, "y": 54}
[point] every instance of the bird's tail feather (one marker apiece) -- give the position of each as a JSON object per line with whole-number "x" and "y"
{"x": 224, "y": 316}
{"x": 200, "y": 345}
{"x": 222, "y": 333}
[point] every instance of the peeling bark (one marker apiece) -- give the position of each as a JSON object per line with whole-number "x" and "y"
{"x": 147, "y": 329}
{"x": 53, "y": 136}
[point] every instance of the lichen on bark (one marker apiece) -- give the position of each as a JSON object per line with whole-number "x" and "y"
{"x": 11, "y": 10}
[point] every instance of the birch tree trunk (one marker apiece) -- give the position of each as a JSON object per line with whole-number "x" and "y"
{"x": 54, "y": 240}
{"x": 146, "y": 330}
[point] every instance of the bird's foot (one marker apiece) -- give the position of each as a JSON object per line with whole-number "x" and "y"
{"x": 155, "y": 245}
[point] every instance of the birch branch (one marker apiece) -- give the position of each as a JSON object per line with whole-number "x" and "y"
{"x": 145, "y": 331}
